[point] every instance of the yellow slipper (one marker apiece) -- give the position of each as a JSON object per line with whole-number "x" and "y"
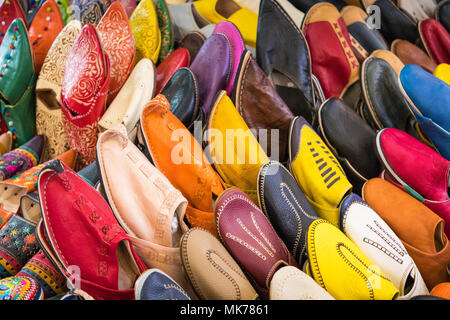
{"x": 442, "y": 71}
{"x": 244, "y": 19}
{"x": 317, "y": 171}
{"x": 145, "y": 30}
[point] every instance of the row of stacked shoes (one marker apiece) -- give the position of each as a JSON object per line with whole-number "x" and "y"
{"x": 214, "y": 149}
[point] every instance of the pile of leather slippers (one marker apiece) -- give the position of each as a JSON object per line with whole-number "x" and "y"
{"x": 224, "y": 150}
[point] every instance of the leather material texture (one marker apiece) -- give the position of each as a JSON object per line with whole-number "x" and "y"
{"x": 181, "y": 92}
{"x": 442, "y": 72}
{"x": 408, "y": 53}
{"x": 361, "y": 35}
{"x": 287, "y": 208}
{"x": 384, "y": 105}
{"x": 394, "y": 24}
{"x": 317, "y": 171}
{"x": 442, "y": 13}
{"x": 282, "y": 53}
{"x": 166, "y": 29}
{"x": 338, "y": 265}
{"x": 393, "y": 60}
{"x": 117, "y": 41}
{"x": 237, "y": 163}
{"x": 261, "y": 107}
{"x": 436, "y": 40}
{"x": 251, "y": 239}
{"x": 305, "y": 5}
{"x": 11, "y": 10}
{"x": 419, "y": 87}
{"x": 180, "y": 160}
{"x": 290, "y": 283}
{"x": 186, "y": 19}
{"x": 46, "y": 26}
{"x": 145, "y": 30}
{"x": 90, "y": 11}
{"x": 193, "y": 41}
{"x": 351, "y": 140}
{"x": 442, "y": 290}
{"x": 83, "y": 105}
{"x": 418, "y": 169}
{"x": 237, "y": 49}
{"x": 177, "y": 59}
{"x": 147, "y": 222}
{"x": 423, "y": 237}
{"x": 18, "y": 245}
{"x": 215, "y": 55}
{"x": 382, "y": 246}
{"x": 418, "y": 9}
{"x": 5, "y": 142}
{"x": 48, "y": 92}
{"x": 154, "y": 284}
{"x": 212, "y": 271}
{"x": 17, "y": 98}
{"x": 333, "y": 61}
{"x": 126, "y": 107}
{"x": 244, "y": 19}
{"x": 108, "y": 264}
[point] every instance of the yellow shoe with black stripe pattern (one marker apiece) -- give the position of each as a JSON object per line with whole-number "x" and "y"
{"x": 317, "y": 171}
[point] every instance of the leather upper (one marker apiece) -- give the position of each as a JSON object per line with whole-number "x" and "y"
{"x": 442, "y": 13}
{"x": 290, "y": 283}
{"x": 237, "y": 162}
{"x": 442, "y": 72}
{"x": 391, "y": 58}
{"x": 154, "y": 222}
{"x": 394, "y": 23}
{"x": 251, "y": 239}
{"x": 364, "y": 39}
{"x": 186, "y": 19}
{"x": 317, "y": 171}
{"x": 436, "y": 40}
{"x": 11, "y": 10}
{"x": 351, "y": 139}
{"x": 305, "y": 5}
{"x": 46, "y": 26}
{"x": 90, "y": 11}
{"x": 145, "y": 30}
{"x": 166, "y": 29}
{"x": 282, "y": 53}
{"x": 126, "y": 107}
{"x": 215, "y": 55}
{"x": 154, "y": 284}
{"x": 212, "y": 270}
{"x": 419, "y": 88}
{"x": 17, "y": 82}
{"x": 73, "y": 212}
{"x": 423, "y": 236}
{"x": 118, "y": 42}
{"x": 332, "y": 58}
{"x": 176, "y": 153}
{"x": 261, "y": 107}
{"x": 418, "y": 169}
{"x": 182, "y": 95}
{"x": 48, "y": 92}
{"x": 384, "y": 105}
{"x": 237, "y": 48}
{"x": 382, "y": 246}
{"x": 287, "y": 208}
{"x": 165, "y": 70}
{"x": 418, "y": 9}
{"x": 339, "y": 266}
{"x": 411, "y": 54}
{"x": 84, "y": 91}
